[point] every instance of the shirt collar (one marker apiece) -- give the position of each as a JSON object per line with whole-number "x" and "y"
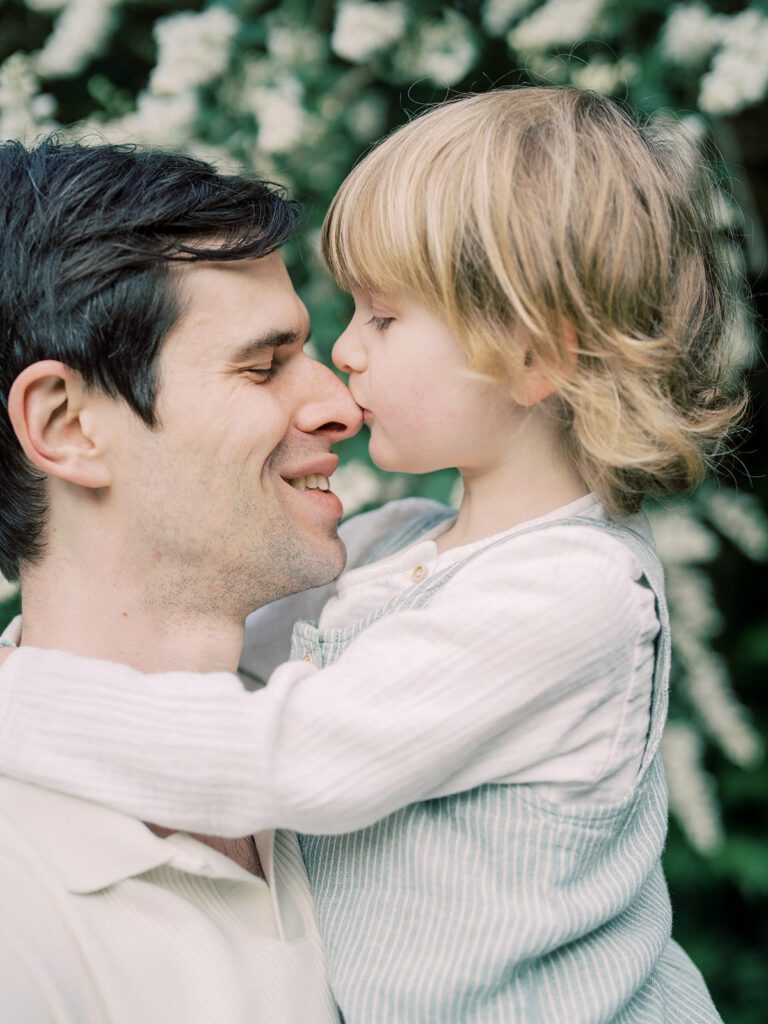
{"x": 89, "y": 847}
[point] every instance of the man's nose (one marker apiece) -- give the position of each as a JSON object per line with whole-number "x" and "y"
{"x": 329, "y": 408}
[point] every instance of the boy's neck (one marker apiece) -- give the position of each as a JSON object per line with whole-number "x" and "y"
{"x": 535, "y": 480}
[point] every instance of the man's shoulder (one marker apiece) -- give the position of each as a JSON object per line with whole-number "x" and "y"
{"x": 29, "y": 882}
{"x": 42, "y": 974}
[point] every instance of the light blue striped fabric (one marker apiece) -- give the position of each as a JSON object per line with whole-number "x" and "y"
{"x": 495, "y": 905}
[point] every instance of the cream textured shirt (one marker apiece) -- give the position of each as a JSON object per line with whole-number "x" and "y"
{"x": 102, "y": 922}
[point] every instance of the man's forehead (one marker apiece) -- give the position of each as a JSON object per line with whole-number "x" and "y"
{"x": 238, "y": 301}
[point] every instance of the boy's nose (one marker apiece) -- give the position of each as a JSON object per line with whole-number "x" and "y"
{"x": 348, "y": 354}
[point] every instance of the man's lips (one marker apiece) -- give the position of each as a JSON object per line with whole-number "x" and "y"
{"x": 320, "y": 465}
{"x": 313, "y": 474}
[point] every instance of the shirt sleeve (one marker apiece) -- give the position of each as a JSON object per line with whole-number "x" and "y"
{"x": 474, "y": 687}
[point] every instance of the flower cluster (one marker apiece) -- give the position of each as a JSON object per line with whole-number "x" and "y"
{"x": 443, "y": 51}
{"x": 7, "y": 589}
{"x": 556, "y": 23}
{"x": 498, "y": 15}
{"x": 691, "y": 790}
{"x": 82, "y": 31}
{"x": 690, "y": 35}
{"x": 739, "y": 74}
{"x": 25, "y": 112}
{"x": 364, "y": 29}
{"x": 686, "y": 543}
{"x": 276, "y": 101}
{"x": 738, "y": 77}
{"x": 192, "y": 49}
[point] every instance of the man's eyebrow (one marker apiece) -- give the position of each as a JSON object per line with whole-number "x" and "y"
{"x": 269, "y": 340}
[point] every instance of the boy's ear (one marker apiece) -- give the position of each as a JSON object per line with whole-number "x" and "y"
{"x": 534, "y": 385}
{"x": 52, "y": 413}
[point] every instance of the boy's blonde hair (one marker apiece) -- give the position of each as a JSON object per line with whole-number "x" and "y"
{"x": 538, "y": 207}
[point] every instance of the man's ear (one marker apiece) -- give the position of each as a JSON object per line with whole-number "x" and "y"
{"x": 53, "y": 415}
{"x": 532, "y": 383}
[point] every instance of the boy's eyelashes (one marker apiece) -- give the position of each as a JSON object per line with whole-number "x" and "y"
{"x": 379, "y": 323}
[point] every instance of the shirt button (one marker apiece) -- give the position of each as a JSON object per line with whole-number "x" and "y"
{"x": 419, "y": 573}
{"x": 308, "y": 657}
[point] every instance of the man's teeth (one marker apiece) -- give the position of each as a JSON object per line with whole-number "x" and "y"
{"x": 312, "y": 482}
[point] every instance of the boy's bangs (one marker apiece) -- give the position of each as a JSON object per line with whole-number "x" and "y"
{"x": 369, "y": 237}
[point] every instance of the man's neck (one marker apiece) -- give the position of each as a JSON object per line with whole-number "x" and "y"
{"x": 242, "y": 851}
{"x": 95, "y": 613}
{"x": 99, "y": 611}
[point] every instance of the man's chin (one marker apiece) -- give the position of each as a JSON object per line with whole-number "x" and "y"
{"x": 334, "y": 562}
{"x": 306, "y": 567}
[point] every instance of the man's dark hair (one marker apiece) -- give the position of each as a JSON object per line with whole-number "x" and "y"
{"x": 87, "y": 239}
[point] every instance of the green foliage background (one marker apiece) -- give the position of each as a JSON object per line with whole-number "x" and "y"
{"x": 336, "y": 92}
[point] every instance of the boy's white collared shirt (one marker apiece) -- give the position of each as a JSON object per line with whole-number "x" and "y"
{"x": 103, "y": 922}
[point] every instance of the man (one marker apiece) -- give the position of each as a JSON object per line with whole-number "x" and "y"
{"x": 160, "y": 425}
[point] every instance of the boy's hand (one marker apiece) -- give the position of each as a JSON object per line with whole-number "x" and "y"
{"x": 4, "y": 653}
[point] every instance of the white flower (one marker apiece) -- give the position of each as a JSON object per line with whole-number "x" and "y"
{"x": 547, "y": 67}
{"x": 602, "y": 75}
{"x": 44, "y": 6}
{"x": 157, "y": 120}
{"x": 741, "y": 519}
{"x": 7, "y": 589}
{"x": 295, "y": 46}
{"x": 741, "y": 344}
{"x": 356, "y": 485}
{"x": 281, "y": 119}
{"x": 80, "y": 34}
{"x": 363, "y": 29}
{"x": 691, "y": 791}
{"x": 555, "y": 23}
{"x": 706, "y": 680}
{"x": 681, "y": 538}
{"x": 276, "y": 101}
{"x": 193, "y": 49}
{"x": 25, "y": 113}
{"x": 498, "y": 15}
{"x": 739, "y": 74}
{"x": 691, "y": 34}
{"x": 218, "y": 157}
{"x": 691, "y": 598}
{"x": 366, "y": 117}
{"x": 442, "y": 50}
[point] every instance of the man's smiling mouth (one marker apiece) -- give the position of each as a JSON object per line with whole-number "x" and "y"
{"x": 312, "y": 482}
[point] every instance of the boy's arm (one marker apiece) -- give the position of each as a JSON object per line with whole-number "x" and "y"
{"x": 473, "y": 688}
